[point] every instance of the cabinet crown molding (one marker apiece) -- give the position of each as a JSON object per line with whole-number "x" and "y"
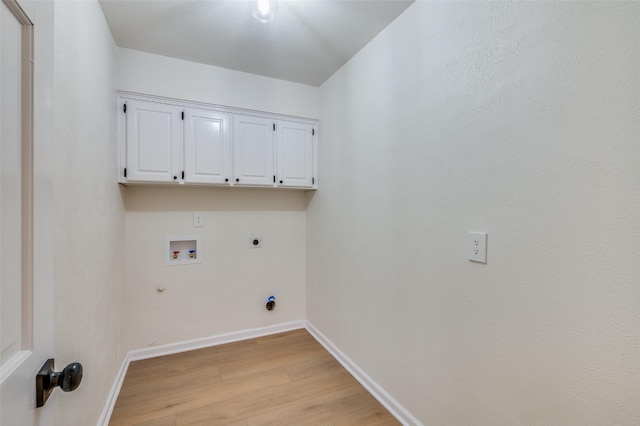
{"x": 212, "y": 107}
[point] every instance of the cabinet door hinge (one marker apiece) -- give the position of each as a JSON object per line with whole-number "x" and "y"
{"x": 183, "y": 175}
{"x": 125, "y": 108}
{"x": 183, "y": 115}
{"x": 125, "y": 172}
{"x": 274, "y": 178}
{"x": 313, "y": 132}
{"x": 313, "y": 181}
{"x": 274, "y": 127}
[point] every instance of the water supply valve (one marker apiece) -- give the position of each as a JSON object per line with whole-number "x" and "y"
{"x": 271, "y": 303}
{"x": 192, "y": 254}
{"x": 176, "y": 253}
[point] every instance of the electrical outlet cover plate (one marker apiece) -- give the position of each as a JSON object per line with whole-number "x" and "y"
{"x": 198, "y": 220}
{"x": 477, "y": 247}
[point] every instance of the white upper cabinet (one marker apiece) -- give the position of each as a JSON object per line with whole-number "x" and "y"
{"x": 295, "y": 154}
{"x": 153, "y": 142}
{"x": 168, "y": 141}
{"x": 207, "y": 147}
{"x": 253, "y": 150}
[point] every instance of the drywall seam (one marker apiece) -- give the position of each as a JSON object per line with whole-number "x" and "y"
{"x": 397, "y": 410}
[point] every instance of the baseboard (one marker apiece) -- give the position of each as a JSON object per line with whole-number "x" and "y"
{"x": 205, "y": 342}
{"x": 397, "y": 410}
{"x": 189, "y": 345}
{"x": 115, "y": 391}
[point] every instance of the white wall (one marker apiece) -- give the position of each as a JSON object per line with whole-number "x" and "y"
{"x": 518, "y": 119}
{"x": 89, "y": 272}
{"x": 176, "y": 78}
{"x": 227, "y": 292}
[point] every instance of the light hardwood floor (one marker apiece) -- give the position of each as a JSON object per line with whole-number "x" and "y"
{"x": 283, "y": 379}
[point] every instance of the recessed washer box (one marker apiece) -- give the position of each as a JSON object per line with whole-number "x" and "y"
{"x": 183, "y": 250}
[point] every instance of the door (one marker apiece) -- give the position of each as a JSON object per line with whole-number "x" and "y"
{"x": 207, "y": 149}
{"x": 154, "y": 142}
{"x": 295, "y": 154}
{"x": 26, "y": 258}
{"x": 253, "y": 151}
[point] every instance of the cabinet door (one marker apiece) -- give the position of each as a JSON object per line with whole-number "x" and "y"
{"x": 253, "y": 150}
{"x": 295, "y": 154}
{"x": 207, "y": 150}
{"x": 154, "y": 142}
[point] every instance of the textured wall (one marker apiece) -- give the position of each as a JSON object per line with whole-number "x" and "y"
{"x": 228, "y": 291}
{"x": 518, "y": 119}
{"x": 88, "y": 211}
{"x": 162, "y": 76}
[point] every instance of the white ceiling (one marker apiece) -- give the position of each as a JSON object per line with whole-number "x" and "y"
{"x": 306, "y": 42}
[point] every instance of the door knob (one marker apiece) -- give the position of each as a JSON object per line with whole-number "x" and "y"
{"x": 46, "y": 380}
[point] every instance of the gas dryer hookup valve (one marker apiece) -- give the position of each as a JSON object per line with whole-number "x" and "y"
{"x": 271, "y": 303}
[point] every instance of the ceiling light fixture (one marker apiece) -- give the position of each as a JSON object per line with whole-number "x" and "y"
{"x": 264, "y": 10}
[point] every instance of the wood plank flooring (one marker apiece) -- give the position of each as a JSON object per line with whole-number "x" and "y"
{"x": 283, "y": 379}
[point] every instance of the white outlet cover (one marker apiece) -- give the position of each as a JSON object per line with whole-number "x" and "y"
{"x": 477, "y": 247}
{"x": 198, "y": 220}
